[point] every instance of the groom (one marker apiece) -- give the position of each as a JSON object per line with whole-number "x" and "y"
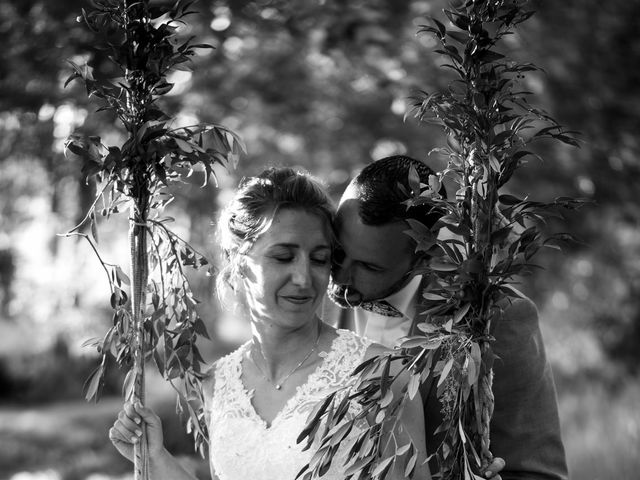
{"x": 374, "y": 273}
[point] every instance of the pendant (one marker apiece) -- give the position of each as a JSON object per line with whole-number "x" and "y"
{"x": 278, "y": 386}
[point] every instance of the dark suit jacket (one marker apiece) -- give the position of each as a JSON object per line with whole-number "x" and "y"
{"x": 525, "y": 429}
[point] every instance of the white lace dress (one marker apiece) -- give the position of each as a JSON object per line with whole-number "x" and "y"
{"x": 243, "y": 447}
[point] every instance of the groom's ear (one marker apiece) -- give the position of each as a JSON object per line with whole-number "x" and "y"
{"x": 422, "y": 262}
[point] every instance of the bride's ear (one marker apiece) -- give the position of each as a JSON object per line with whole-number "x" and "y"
{"x": 242, "y": 267}
{"x": 243, "y": 272}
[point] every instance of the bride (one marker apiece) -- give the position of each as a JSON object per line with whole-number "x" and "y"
{"x": 277, "y": 239}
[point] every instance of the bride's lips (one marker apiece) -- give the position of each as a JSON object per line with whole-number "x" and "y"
{"x": 298, "y": 299}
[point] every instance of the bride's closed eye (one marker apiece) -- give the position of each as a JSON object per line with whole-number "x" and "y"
{"x": 282, "y": 258}
{"x": 322, "y": 256}
{"x": 281, "y": 254}
{"x": 321, "y": 260}
{"x": 289, "y": 258}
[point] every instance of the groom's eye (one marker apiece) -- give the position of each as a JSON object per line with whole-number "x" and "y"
{"x": 371, "y": 267}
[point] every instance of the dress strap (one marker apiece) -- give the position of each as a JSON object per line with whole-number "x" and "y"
{"x": 229, "y": 396}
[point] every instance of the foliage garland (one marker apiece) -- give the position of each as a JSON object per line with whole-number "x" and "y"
{"x": 488, "y": 123}
{"x": 158, "y": 319}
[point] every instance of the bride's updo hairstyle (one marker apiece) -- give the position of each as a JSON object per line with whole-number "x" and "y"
{"x": 253, "y": 208}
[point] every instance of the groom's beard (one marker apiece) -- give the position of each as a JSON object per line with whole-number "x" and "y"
{"x": 344, "y": 296}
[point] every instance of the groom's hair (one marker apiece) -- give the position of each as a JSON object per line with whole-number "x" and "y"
{"x": 382, "y": 189}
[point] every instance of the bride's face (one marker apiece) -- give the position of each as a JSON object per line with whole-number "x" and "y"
{"x": 286, "y": 271}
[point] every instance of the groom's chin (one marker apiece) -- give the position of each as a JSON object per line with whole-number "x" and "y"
{"x": 338, "y": 300}
{"x": 344, "y": 297}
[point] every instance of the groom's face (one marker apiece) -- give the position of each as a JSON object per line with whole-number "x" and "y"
{"x": 373, "y": 262}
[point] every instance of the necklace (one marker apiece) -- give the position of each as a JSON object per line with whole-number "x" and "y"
{"x": 278, "y": 385}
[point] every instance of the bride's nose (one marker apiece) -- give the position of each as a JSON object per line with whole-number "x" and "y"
{"x": 301, "y": 274}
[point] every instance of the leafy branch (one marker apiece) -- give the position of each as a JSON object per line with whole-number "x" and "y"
{"x": 376, "y": 416}
{"x": 158, "y": 319}
{"x": 489, "y": 123}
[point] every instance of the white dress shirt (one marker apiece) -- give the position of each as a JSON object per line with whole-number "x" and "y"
{"x": 388, "y": 330}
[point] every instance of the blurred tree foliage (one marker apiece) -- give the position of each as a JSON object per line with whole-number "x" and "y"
{"x": 593, "y": 85}
{"x": 323, "y": 84}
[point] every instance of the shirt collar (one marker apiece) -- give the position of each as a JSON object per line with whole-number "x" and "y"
{"x": 404, "y": 299}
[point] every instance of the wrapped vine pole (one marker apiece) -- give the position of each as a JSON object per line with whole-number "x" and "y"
{"x": 158, "y": 320}
{"x": 490, "y": 240}
{"x": 489, "y": 123}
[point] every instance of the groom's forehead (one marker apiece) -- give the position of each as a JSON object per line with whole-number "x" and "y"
{"x": 361, "y": 238}
{"x": 348, "y": 215}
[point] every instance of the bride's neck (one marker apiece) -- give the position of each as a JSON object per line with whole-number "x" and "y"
{"x": 282, "y": 346}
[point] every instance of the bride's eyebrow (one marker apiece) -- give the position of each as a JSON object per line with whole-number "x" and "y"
{"x": 284, "y": 245}
{"x": 296, "y": 245}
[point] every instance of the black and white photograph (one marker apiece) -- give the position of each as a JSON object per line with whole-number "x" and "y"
{"x": 319, "y": 239}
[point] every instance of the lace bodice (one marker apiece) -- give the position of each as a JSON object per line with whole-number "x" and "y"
{"x": 242, "y": 446}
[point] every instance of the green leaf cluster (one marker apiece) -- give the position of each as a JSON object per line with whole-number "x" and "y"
{"x": 143, "y": 44}
{"x": 490, "y": 239}
{"x": 374, "y": 451}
